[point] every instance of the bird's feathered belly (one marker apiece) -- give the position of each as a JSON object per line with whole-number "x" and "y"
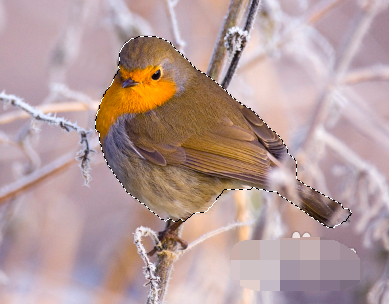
{"x": 170, "y": 191}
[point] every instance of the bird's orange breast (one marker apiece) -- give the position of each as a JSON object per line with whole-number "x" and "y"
{"x": 145, "y": 96}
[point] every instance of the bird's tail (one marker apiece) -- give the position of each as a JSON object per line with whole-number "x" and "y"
{"x": 323, "y": 209}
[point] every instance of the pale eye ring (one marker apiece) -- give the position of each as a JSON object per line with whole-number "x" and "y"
{"x": 156, "y": 75}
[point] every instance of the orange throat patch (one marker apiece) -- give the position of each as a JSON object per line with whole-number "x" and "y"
{"x": 143, "y": 97}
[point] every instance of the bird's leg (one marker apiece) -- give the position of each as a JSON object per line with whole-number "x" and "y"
{"x": 169, "y": 234}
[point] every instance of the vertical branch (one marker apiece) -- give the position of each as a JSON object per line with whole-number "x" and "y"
{"x": 250, "y": 19}
{"x": 149, "y": 268}
{"x": 218, "y": 58}
{"x": 164, "y": 267}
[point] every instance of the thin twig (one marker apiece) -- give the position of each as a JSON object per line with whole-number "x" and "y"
{"x": 250, "y": 19}
{"x": 72, "y": 106}
{"x": 24, "y": 140}
{"x": 321, "y": 9}
{"x": 216, "y": 232}
{"x": 38, "y": 115}
{"x": 149, "y": 268}
{"x": 217, "y": 62}
{"x": 373, "y": 73}
{"x": 365, "y": 119}
{"x": 355, "y": 35}
{"x": 24, "y": 145}
{"x": 4, "y": 138}
{"x": 178, "y": 42}
{"x": 349, "y": 156}
{"x": 83, "y": 155}
{"x": 28, "y": 181}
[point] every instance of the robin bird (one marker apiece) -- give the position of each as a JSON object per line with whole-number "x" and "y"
{"x": 176, "y": 139}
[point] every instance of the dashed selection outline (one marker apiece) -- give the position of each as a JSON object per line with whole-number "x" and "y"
{"x": 270, "y": 191}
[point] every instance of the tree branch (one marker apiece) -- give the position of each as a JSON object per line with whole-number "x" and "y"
{"x": 245, "y": 35}
{"x": 217, "y": 62}
{"x": 149, "y": 268}
{"x": 164, "y": 266}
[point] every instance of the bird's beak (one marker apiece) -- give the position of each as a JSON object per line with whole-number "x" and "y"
{"x": 129, "y": 83}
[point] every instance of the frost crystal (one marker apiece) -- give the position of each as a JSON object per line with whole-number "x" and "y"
{"x": 236, "y": 39}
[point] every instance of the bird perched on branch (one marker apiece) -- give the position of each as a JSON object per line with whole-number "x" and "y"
{"x": 175, "y": 139}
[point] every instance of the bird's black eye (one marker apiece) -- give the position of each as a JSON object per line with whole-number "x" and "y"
{"x": 156, "y": 75}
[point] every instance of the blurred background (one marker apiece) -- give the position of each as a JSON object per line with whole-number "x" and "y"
{"x": 63, "y": 242}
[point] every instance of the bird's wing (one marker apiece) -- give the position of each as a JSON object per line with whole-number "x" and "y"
{"x": 228, "y": 151}
{"x": 267, "y": 137}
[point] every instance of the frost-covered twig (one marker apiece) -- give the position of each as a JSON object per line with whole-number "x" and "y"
{"x": 149, "y": 268}
{"x": 236, "y": 39}
{"x": 218, "y": 58}
{"x": 167, "y": 256}
{"x": 71, "y": 106}
{"x": 178, "y": 42}
{"x": 158, "y": 275}
{"x": 244, "y": 36}
{"x": 83, "y": 156}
